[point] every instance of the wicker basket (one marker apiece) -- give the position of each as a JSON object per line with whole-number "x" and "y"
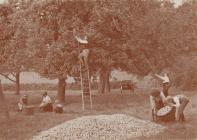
{"x": 166, "y": 114}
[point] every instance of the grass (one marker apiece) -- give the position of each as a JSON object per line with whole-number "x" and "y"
{"x": 21, "y": 126}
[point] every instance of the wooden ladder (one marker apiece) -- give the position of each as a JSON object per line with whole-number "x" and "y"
{"x": 85, "y": 87}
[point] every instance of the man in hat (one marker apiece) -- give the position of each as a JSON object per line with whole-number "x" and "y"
{"x": 166, "y": 83}
{"x": 180, "y": 102}
{"x": 46, "y": 104}
{"x": 23, "y": 101}
{"x": 157, "y": 99}
{"x": 84, "y": 52}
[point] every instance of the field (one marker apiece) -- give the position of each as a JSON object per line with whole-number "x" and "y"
{"x": 21, "y": 126}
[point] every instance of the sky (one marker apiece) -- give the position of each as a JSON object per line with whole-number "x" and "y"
{"x": 1, "y": 1}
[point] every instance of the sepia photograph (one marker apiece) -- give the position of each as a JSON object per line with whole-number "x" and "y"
{"x": 98, "y": 69}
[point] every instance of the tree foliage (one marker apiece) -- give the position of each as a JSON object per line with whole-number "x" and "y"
{"x": 132, "y": 35}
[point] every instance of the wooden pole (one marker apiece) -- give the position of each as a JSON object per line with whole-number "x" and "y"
{"x": 82, "y": 96}
{"x": 90, "y": 94}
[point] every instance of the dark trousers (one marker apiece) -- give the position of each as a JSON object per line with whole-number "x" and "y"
{"x": 58, "y": 109}
{"x": 48, "y": 108}
{"x": 166, "y": 88}
{"x": 179, "y": 113}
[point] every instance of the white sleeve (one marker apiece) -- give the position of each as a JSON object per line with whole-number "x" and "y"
{"x": 86, "y": 52}
{"x": 161, "y": 77}
{"x": 163, "y": 97}
{"x": 177, "y": 101}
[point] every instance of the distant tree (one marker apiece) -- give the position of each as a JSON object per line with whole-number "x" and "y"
{"x": 184, "y": 30}
{"x": 16, "y": 57}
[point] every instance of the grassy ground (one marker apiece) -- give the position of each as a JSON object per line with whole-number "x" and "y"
{"x": 21, "y": 126}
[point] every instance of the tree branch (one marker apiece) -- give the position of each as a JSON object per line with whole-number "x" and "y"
{"x": 13, "y": 74}
{"x": 7, "y": 77}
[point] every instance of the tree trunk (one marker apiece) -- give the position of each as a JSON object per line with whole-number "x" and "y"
{"x": 107, "y": 82}
{"x": 104, "y": 84}
{"x": 61, "y": 89}
{"x": 101, "y": 88}
{"x": 17, "y": 83}
{"x": 3, "y": 104}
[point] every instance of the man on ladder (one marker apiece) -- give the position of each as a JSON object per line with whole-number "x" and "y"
{"x": 84, "y": 71}
{"x": 83, "y": 55}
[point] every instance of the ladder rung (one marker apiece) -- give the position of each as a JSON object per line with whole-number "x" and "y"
{"x": 84, "y": 76}
{"x": 85, "y": 79}
{"x": 85, "y": 73}
{"x": 87, "y": 97}
{"x": 85, "y": 84}
{"x": 83, "y": 69}
{"x": 84, "y": 91}
{"x": 86, "y": 94}
{"x": 86, "y": 87}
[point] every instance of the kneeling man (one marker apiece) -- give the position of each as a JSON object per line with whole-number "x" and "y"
{"x": 22, "y": 102}
{"x": 58, "y": 107}
{"x": 46, "y": 104}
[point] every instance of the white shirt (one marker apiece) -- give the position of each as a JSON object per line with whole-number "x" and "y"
{"x": 46, "y": 99}
{"x": 176, "y": 99}
{"x": 164, "y": 78}
{"x": 179, "y": 98}
{"x": 84, "y": 53}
